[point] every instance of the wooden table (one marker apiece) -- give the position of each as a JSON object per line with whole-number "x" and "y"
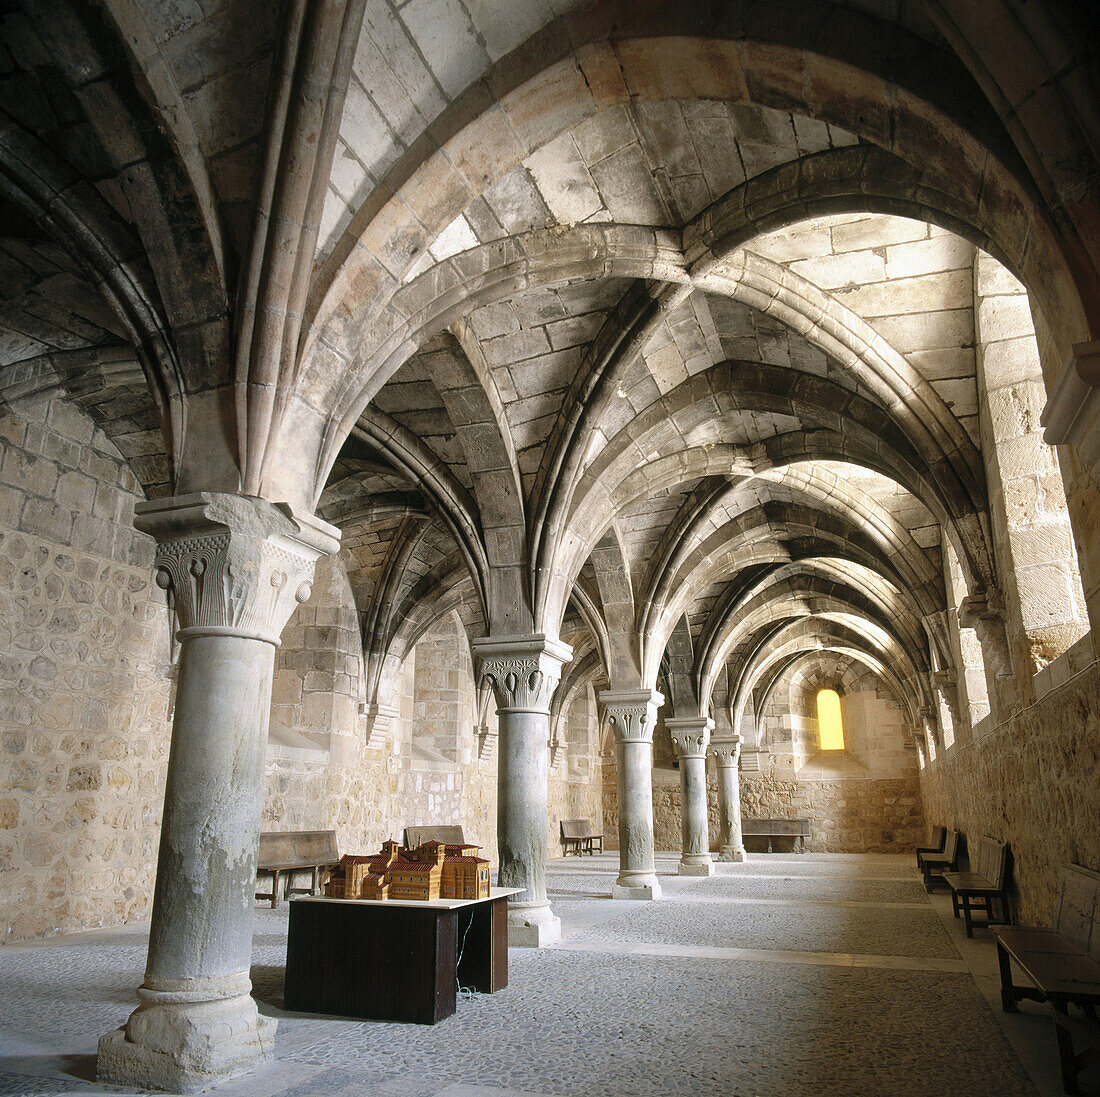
{"x": 394, "y": 960}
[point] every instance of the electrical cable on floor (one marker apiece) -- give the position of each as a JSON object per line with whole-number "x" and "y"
{"x": 466, "y": 992}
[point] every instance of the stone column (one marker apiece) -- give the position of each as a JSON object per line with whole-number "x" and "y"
{"x": 726, "y": 754}
{"x": 632, "y": 715}
{"x": 691, "y": 735}
{"x": 237, "y": 567}
{"x": 524, "y": 672}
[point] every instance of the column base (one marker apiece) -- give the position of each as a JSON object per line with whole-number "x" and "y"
{"x": 185, "y": 1046}
{"x": 732, "y": 855}
{"x": 695, "y": 868}
{"x": 636, "y": 887}
{"x": 533, "y": 927}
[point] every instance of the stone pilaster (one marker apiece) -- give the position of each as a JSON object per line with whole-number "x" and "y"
{"x": 691, "y": 734}
{"x": 632, "y": 715}
{"x": 727, "y": 752}
{"x": 523, "y": 672}
{"x": 237, "y": 567}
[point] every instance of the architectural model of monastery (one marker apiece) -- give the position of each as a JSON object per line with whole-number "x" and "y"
{"x": 431, "y": 871}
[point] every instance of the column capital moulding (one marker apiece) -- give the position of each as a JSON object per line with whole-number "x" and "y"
{"x": 523, "y": 671}
{"x": 631, "y": 713}
{"x": 236, "y": 565}
{"x": 691, "y": 734}
{"x": 726, "y": 750}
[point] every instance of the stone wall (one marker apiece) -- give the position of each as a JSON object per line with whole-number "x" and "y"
{"x": 423, "y": 768}
{"x": 1033, "y": 781}
{"x": 85, "y": 683}
{"x": 846, "y": 816}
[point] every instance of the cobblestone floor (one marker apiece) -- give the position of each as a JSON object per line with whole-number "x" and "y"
{"x": 607, "y": 1014}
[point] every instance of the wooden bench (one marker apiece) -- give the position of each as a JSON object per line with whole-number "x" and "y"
{"x": 1063, "y": 965}
{"x": 934, "y": 865}
{"x": 983, "y": 884}
{"x": 796, "y": 829}
{"x": 577, "y": 835}
{"x": 938, "y": 835}
{"x": 414, "y": 837}
{"x": 286, "y": 852}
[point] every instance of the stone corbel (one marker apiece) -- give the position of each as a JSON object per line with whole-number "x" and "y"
{"x": 556, "y": 753}
{"x": 930, "y": 724}
{"x": 1073, "y": 408}
{"x": 985, "y": 615}
{"x": 486, "y": 742}
{"x": 380, "y": 721}
{"x": 944, "y": 682}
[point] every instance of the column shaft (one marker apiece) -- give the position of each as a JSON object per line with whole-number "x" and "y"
{"x": 691, "y": 735}
{"x": 237, "y": 566}
{"x": 523, "y": 672}
{"x": 726, "y": 752}
{"x": 633, "y": 715}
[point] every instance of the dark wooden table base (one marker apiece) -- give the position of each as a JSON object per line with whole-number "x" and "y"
{"x": 393, "y": 963}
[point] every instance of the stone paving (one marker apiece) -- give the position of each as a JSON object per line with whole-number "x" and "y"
{"x": 602, "y": 1016}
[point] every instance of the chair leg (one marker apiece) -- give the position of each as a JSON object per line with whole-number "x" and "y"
{"x": 275, "y": 888}
{"x": 966, "y": 916}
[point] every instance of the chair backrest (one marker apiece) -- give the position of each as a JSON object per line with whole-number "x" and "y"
{"x": 951, "y": 845}
{"x": 992, "y": 860}
{"x": 1077, "y": 915}
{"x": 448, "y": 835}
{"x": 575, "y": 828}
{"x": 775, "y": 828}
{"x": 938, "y": 835}
{"x": 297, "y": 847}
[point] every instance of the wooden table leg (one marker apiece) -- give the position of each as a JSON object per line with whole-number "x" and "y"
{"x": 1065, "y": 1047}
{"x": 275, "y": 874}
{"x": 1008, "y": 995}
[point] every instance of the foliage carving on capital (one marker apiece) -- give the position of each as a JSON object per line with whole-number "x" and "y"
{"x": 726, "y": 751}
{"x": 522, "y": 679}
{"x": 690, "y": 736}
{"x": 632, "y": 723}
{"x": 235, "y": 566}
{"x": 519, "y": 683}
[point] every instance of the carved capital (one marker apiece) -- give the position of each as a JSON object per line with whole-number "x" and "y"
{"x": 523, "y": 671}
{"x": 632, "y": 713}
{"x": 237, "y": 566}
{"x": 726, "y": 750}
{"x": 944, "y": 681}
{"x": 691, "y": 734}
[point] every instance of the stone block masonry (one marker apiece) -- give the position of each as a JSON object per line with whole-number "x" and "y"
{"x": 85, "y": 684}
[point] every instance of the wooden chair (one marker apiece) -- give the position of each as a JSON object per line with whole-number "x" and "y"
{"x": 982, "y": 885}
{"x": 938, "y": 835}
{"x": 934, "y": 865}
{"x": 578, "y": 836}
{"x": 286, "y": 852}
{"x": 414, "y": 837}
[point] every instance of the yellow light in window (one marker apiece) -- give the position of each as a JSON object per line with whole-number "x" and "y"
{"x": 830, "y": 728}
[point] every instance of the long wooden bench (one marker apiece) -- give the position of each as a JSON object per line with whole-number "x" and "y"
{"x": 414, "y": 837}
{"x": 1063, "y": 965}
{"x": 934, "y": 865}
{"x": 982, "y": 885}
{"x": 285, "y": 852}
{"x": 938, "y": 836}
{"x": 577, "y": 835}
{"x": 796, "y": 829}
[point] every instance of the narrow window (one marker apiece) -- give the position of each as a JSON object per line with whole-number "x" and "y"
{"x": 830, "y": 729}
